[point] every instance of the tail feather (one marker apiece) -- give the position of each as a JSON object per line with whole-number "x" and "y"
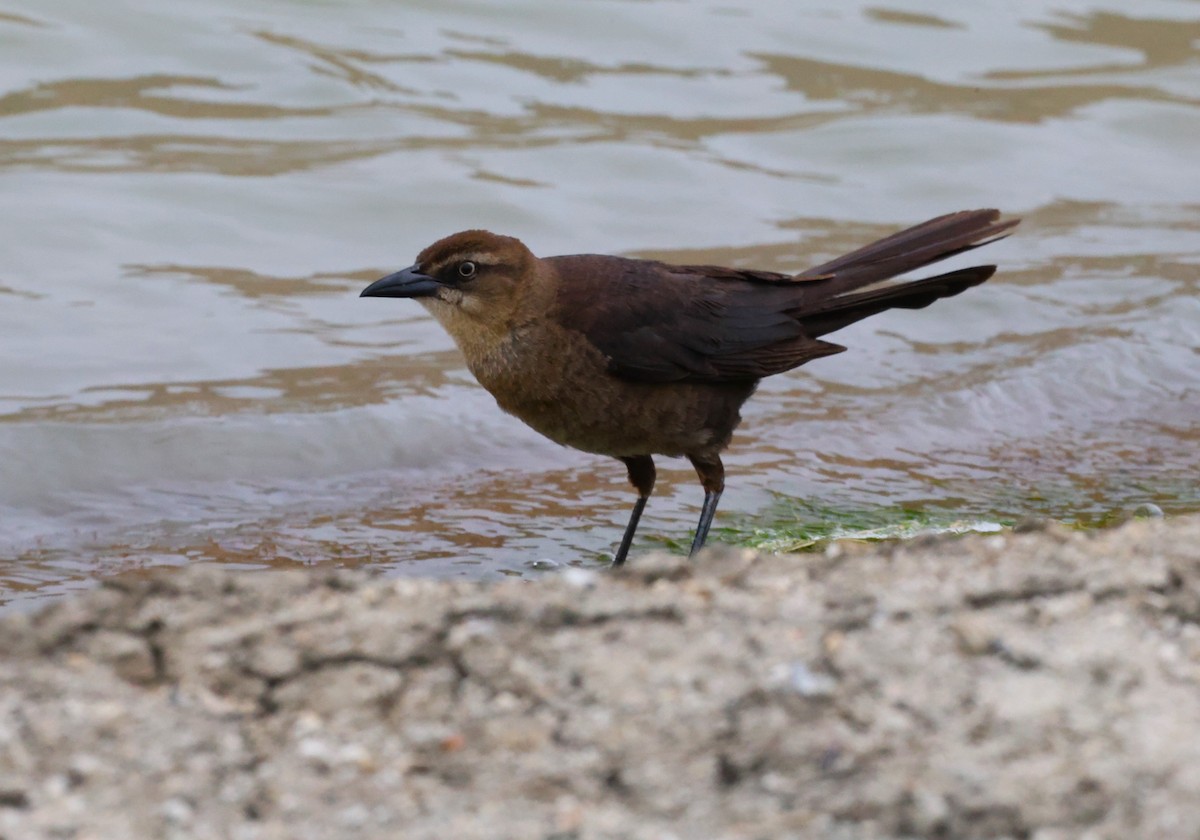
{"x": 915, "y": 247}
{"x": 841, "y": 311}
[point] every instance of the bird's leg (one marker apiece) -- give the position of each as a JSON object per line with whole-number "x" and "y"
{"x": 712, "y": 477}
{"x": 641, "y": 476}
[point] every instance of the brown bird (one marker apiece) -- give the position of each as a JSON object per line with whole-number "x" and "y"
{"x": 635, "y": 358}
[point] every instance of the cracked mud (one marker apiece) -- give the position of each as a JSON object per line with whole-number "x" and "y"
{"x": 1038, "y": 685}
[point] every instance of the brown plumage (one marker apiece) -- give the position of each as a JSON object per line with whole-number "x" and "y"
{"x": 635, "y": 358}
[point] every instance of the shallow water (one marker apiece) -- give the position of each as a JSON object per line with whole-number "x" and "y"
{"x": 194, "y": 193}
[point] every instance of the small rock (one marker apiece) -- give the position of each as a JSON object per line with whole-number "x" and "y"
{"x": 975, "y": 634}
{"x": 177, "y": 810}
{"x": 82, "y": 767}
{"x": 355, "y": 816}
{"x": 805, "y": 681}
{"x": 319, "y": 752}
{"x": 275, "y": 661}
{"x": 579, "y": 578}
{"x": 129, "y": 656}
{"x": 927, "y": 813}
{"x": 542, "y": 564}
{"x": 13, "y": 797}
{"x": 1031, "y": 524}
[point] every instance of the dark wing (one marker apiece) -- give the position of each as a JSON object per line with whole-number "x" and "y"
{"x": 663, "y": 323}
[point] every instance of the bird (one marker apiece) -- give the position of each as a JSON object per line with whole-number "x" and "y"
{"x": 633, "y": 358}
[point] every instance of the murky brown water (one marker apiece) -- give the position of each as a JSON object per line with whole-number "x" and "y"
{"x": 193, "y": 194}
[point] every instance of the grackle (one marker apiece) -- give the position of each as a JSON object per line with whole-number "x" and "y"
{"x": 634, "y": 358}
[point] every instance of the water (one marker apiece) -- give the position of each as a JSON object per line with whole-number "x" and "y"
{"x": 193, "y": 194}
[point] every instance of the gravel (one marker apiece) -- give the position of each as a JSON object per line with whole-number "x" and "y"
{"x": 1042, "y": 684}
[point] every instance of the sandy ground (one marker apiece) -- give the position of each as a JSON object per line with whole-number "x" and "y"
{"x": 1035, "y": 685}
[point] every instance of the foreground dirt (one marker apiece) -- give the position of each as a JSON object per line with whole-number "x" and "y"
{"x": 1042, "y": 685}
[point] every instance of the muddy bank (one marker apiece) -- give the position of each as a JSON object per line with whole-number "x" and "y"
{"x": 1042, "y": 685}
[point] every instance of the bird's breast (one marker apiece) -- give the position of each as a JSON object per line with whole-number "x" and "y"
{"x": 542, "y": 371}
{"x": 560, "y": 385}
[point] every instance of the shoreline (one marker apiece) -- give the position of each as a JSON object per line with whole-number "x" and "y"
{"x": 1044, "y": 683}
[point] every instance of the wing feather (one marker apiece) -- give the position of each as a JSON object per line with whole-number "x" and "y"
{"x": 656, "y": 322}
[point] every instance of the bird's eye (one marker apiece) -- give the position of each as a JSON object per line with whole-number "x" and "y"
{"x": 466, "y": 269}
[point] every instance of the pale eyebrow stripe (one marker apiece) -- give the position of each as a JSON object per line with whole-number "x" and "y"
{"x": 477, "y": 257}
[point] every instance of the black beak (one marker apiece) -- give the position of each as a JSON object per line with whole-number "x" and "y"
{"x": 409, "y": 283}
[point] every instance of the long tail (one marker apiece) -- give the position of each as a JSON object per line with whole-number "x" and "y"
{"x": 844, "y": 310}
{"x": 915, "y": 247}
{"x": 828, "y": 305}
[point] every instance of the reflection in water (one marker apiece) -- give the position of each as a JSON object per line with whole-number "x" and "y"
{"x": 194, "y": 196}
{"x": 1159, "y": 43}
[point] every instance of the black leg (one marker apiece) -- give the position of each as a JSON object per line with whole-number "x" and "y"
{"x": 712, "y": 476}
{"x": 630, "y": 530}
{"x": 641, "y": 476}
{"x": 706, "y": 518}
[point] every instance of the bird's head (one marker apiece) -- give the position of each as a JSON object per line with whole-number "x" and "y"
{"x": 474, "y": 275}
